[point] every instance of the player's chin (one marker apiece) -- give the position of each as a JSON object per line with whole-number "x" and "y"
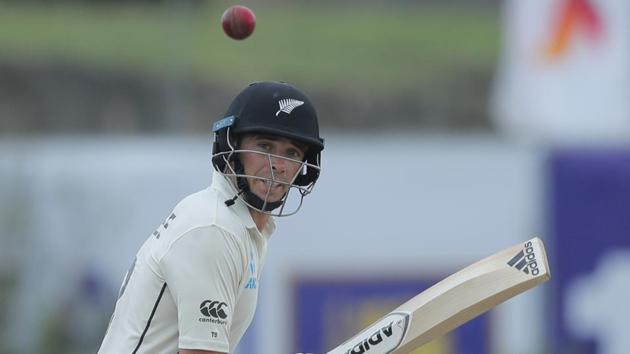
{"x": 270, "y": 198}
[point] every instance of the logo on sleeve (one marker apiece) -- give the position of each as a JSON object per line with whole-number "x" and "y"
{"x": 164, "y": 225}
{"x": 252, "y": 281}
{"x": 214, "y": 312}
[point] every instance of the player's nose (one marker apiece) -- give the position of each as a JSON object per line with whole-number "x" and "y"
{"x": 278, "y": 166}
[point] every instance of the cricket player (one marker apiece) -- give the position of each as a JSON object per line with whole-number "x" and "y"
{"x": 193, "y": 285}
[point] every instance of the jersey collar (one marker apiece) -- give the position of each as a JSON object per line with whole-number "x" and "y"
{"x": 227, "y": 191}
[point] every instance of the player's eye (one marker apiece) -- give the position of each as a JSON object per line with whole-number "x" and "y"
{"x": 295, "y": 154}
{"x": 264, "y": 146}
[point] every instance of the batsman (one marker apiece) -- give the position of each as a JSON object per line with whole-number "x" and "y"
{"x": 193, "y": 285}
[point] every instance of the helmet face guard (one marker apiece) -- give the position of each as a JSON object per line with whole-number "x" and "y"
{"x": 275, "y": 109}
{"x": 292, "y": 199}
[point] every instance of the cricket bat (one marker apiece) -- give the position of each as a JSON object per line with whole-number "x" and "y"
{"x": 454, "y": 301}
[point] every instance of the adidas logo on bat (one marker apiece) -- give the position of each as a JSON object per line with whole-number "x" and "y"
{"x": 287, "y": 105}
{"x": 373, "y": 340}
{"x": 525, "y": 260}
{"x": 381, "y": 337}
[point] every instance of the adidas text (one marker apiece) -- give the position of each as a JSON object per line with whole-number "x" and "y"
{"x": 372, "y": 340}
{"x": 531, "y": 258}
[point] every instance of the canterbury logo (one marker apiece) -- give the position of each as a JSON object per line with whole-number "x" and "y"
{"x": 287, "y": 105}
{"x": 215, "y": 309}
{"x": 525, "y": 260}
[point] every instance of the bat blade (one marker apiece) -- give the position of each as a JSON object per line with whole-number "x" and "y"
{"x": 454, "y": 301}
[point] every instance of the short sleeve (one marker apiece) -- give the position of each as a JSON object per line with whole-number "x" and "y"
{"x": 203, "y": 270}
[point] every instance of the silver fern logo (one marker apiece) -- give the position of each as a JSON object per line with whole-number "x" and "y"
{"x": 287, "y": 105}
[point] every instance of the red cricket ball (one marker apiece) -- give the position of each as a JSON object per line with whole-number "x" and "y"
{"x": 238, "y": 22}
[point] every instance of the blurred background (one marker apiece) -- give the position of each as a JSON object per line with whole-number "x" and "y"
{"x": 453, "y": 128}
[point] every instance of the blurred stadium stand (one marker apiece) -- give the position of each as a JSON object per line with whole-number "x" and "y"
{"x": 56, "y": 98}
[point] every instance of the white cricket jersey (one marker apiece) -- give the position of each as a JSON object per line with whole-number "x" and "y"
{"x": 194, "y": 282}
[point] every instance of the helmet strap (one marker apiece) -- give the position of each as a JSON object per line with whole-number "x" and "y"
{"x": 248, "y": 195}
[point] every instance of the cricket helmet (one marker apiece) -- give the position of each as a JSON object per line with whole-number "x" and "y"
{"x": 275, "y": 109}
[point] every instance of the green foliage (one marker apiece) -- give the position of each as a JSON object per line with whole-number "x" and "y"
{"x": 342, "y": 46}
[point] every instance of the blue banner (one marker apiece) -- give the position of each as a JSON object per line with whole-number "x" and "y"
{"x": 589, "y": 213}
